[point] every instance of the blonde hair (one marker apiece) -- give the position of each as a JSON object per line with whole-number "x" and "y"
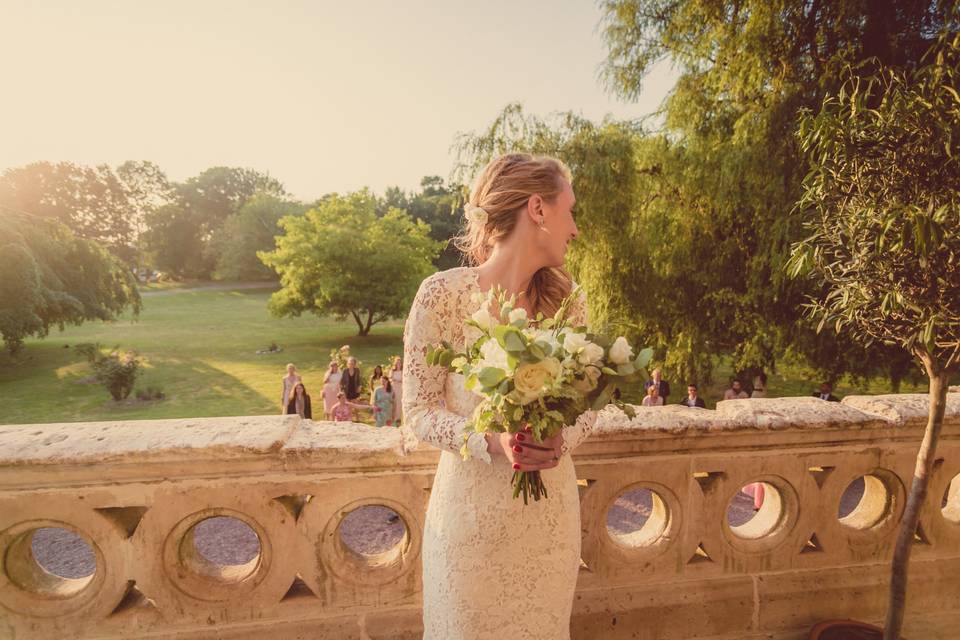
{"x": 502, "y": 190}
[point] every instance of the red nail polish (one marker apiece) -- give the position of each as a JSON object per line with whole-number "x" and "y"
{"x": 521, "y": 437}
{"x": 518, "y": 449}
{"x": 516, "y": 466}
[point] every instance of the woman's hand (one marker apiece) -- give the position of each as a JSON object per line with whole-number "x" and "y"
{"x": 523, "y": 453}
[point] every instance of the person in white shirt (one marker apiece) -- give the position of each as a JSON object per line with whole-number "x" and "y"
{"x": 653, "y": 398}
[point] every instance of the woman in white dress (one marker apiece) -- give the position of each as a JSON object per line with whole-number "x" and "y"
{"x": 492, "y": 566}
{"x": 331, "y": 387}
{"x": 288, "y": 382}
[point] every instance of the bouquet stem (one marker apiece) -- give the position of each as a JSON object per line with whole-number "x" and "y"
{"x": 529, "y": 483}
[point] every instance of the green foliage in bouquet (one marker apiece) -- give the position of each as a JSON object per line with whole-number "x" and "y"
{"x": 542, "y": 374}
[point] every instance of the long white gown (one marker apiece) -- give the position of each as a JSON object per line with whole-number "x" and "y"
{"x": 493, "y": 568}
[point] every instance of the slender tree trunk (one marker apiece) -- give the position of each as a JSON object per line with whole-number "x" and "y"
{"x": 360, "y": 330}
{"x": 369, "y": 322}
{"x": 939, "y": 383}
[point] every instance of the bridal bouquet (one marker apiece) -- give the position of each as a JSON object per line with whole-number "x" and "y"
{"x": 539, "y": 375}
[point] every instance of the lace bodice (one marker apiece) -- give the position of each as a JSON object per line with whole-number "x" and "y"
{"x": 435, "y": 403}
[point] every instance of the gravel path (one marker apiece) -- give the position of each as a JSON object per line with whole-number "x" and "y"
{"x": 367, "y": 530}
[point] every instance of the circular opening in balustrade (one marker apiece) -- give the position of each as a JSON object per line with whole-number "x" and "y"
{"x": 54, "y": 562}
{"x": 638, "y": 518}
{"x": 755, "y": 511}
{"x": 223, "y": 548}
{"x": 950, "y": 504}
{"x": 865, "y": 503}
{"x": 375, "y": 533}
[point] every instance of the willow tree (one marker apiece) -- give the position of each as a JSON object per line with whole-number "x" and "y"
{"x": 728, "y": 169}
{"x": 883, "y": 208}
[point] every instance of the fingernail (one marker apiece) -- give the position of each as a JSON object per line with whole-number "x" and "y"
{"x": 521, "y": 437}
{"x": 516, "y": 466}
{"x": 518, "y": 448}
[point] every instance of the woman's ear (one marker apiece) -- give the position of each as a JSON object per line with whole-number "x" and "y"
{"x": 535, "y": 208}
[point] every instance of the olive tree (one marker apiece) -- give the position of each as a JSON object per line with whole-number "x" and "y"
{"x": 882, "y": 204}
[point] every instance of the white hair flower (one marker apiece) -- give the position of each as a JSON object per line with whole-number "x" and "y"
{"x": 475, "y": 214}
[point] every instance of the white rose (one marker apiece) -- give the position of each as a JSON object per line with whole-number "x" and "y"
{"x": 483, "y": 318}
{"x": 532, "y": 378}
{"x": 574, "y": 342}
{"x": 475, "y": 214}
{"x": 518, "y": 314}
{"x": 591, "y": 354}
{"x": 621, "y": 352}
{"x": 493, "y": 355}
{"x": 544, "y": 335}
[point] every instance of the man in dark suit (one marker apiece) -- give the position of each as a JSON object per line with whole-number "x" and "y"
{"x": 826, "y": 393}
{"x": 693, "y": 399}
{"x": 663, "y": 387}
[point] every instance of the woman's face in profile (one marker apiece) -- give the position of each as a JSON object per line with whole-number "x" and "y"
{"x": 558, "y": 221}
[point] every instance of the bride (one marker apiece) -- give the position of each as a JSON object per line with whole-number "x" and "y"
{"x": 492, "y": 566}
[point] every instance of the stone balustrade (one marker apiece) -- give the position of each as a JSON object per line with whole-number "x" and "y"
{"x": 138, "y": 492}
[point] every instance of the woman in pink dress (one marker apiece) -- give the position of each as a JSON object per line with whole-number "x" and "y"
{"x": 343, "y": 410}
{"x": 331, "y": 387}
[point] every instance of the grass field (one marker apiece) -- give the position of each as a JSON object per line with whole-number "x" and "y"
{"x": 199, "y": 346}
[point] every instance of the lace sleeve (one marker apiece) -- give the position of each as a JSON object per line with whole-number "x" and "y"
{"x": 431, "y": 318}
{"x": 585, "y": 425}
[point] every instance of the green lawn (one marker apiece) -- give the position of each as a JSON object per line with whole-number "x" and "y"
{"x": 200, "y": 347}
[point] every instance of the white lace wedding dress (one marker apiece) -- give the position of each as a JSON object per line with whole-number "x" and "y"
{"x": 493, "y": 568}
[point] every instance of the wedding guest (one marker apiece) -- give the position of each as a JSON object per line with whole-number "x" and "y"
{"x": 374, "y": 382}
{"x": 331, "y": 387}
{"x": 759, "y": 386}
{"x": 735, "y": 392}
{"x": 343, "y": 410}
{"x": 383, "y": 403}
{"x": 755, "y": 490}
{"x": 396, "y": 380}
{"x": 288, "y": 382}
{"x": 653, "y": 398}
{"x": 351, "y": 381}
{"x": 693, "y": 399}
{"x": 826, "y": 393}
{"x": 299, "y": 402}
{"x": 663, "y": 387}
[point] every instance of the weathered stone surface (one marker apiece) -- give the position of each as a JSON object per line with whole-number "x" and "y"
{"x": 134, "y": 491}
{"x": 85, "y": 442}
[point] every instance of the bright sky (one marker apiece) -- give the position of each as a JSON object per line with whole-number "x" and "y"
{"x": 325, "y": 96}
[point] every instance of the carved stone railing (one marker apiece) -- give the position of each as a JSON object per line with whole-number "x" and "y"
{"x": 137, "y": 494}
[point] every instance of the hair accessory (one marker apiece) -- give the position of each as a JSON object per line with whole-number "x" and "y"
{"x": 475, "y": 214}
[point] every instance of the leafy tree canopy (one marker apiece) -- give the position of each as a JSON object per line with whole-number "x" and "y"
{"x": 342, "y": 259}
{"x": 52, "y": 277}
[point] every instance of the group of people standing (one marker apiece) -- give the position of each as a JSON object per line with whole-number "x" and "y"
{"x": 657, "y": 389}
{"x": 342, "y": 391}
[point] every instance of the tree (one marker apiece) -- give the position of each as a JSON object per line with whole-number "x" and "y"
{"x": 173, "y": 243}
{"x": 438, "y": 205}
{"x": 51, "y": 277}
{"x": 340, "y": 258}
{"x": 250, "y": 230}
{"x": 883, "y": 210}
{"x": 94, "y": 202}
{"x": 725, "y": 171}
{"x": 180, "y": 236}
